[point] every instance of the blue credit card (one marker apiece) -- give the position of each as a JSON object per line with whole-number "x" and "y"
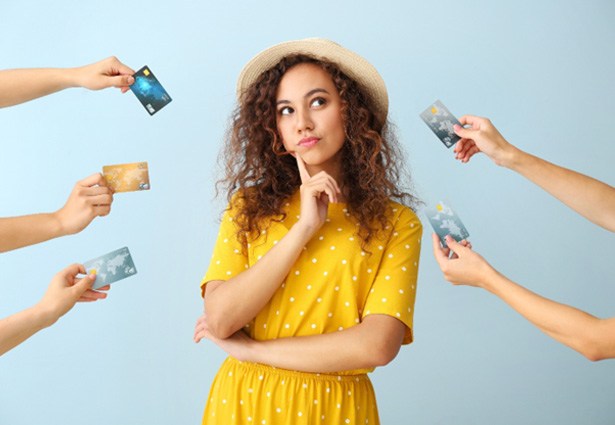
{"x": 111, "y": 267}
{"x": 149, "y": 91}
{"x": 446, "y": 222}
{"x": 440, "y": 120}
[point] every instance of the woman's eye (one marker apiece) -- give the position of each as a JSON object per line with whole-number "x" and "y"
{"x": 287, "y": 110}
{"x": 319, "y": 101}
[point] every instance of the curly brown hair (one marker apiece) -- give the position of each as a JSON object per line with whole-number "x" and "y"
{"x": 259, "y": 177}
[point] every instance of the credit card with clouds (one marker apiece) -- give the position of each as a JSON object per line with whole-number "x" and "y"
{"x": 446, "y": 222}
{"x": 149, "y": 91}
{"x": 127, "y": 177}
{"x": 111, "y": 267}
{"x": 441, "y": 121}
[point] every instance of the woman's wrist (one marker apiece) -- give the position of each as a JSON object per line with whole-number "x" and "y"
{"x": 512, "y": 157}
{"x": 303, "y": 231}
{"x": 57, "y": 224}
{"x": 72, "y": 77}
{"x": 491, "y": 280}
{"x": 253, "y": 351}
{"x": 42, "y": 316}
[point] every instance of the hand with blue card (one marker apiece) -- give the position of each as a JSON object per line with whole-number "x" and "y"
{"x": 149, "y": 91}
{"x": 446, "y": 222}
{"x": 22, "y": 85}
{"x": 480, "y": 135}
{"x": 65, "y": 290}
{"x": 439, "y": 119}
{"x": 111, "y": 267}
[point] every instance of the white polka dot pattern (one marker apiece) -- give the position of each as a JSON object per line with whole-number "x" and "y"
{"x": 335, "y": 282}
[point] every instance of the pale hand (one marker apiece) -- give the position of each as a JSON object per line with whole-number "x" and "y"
{"x": 90, "y": 198}
{"x": 66, "y": 289}
{"x": 481, "y": 136}
{"x": 464, "y": 266}
{"x": 106, "y": 73}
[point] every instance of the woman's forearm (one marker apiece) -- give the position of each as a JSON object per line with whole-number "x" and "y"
{"x": 374, "y": 342}
{"x": 17, "y": 232}
{"x": 20, "y": 326}
{"x": 587, "y": 196}
{"x": 590, "y": 336}
{"x": 21, "y": 85}
{"x": 233, "y": 303}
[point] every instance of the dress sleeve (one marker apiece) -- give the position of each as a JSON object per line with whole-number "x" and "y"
{"x": 229, "y": 257}
{"x": 394, "y": 289}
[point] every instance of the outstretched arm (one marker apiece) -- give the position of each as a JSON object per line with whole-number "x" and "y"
{"x": 589, "y": 197}
{"x": 63, "y": 292}
{"x": 21, "y": 85}
{"x": 374, "y": 342}
{"x": 89, "y": 199}
{"x": 590, "y": 336}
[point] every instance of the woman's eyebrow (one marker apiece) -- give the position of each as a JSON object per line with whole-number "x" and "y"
{"x": 308, "y": 94}
{"x": 314, "y": 91}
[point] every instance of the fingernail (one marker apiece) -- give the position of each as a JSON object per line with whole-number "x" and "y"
{"x": 456, "y": 126}
{"x": 131, "y": 80}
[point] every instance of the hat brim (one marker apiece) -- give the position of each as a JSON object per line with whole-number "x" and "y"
{"x": 350, "y": 63}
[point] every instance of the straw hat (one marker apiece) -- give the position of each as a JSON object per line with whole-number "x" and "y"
{"x": 351, "y": 64}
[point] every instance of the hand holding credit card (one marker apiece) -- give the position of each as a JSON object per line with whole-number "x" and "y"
{"x": 149, "y": 91}
{"x": 445, "y": 222}
{"x": 127, "y": 177}
{"x": 111, "y": 267}
{"x": 441, "y": 121}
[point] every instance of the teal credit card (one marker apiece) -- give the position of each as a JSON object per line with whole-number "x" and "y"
{"x": 446, "y": 222}
{"x": 111, "y": 267}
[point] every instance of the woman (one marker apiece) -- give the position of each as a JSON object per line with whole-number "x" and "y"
{"x": 313, "y": 276}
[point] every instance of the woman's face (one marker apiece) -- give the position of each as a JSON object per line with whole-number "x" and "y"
{"x": 309, "y": 117}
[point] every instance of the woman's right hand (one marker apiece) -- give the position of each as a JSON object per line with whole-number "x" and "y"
{"x": 316, "y": 193}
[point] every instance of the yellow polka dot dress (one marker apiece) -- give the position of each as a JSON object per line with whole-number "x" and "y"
{"x": 332, "y": 286}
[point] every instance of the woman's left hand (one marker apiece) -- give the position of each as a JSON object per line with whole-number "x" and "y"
{"x": 239, "y": 345}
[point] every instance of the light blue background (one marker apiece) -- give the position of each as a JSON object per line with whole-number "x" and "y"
{"x": 542, "y": 71}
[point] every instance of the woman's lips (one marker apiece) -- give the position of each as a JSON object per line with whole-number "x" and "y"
{"x": 308, "y": 142}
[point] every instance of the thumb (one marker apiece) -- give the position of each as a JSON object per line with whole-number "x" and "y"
{"x": 455, "y": 246}
{"x": 84, "y": 284}
{"x": 94, "y": 179}
{"x": 466, "y": 133}
{"x": 121, "y": 80}
{"x": 123, "y": 69}
{"x": 438, "y": 251}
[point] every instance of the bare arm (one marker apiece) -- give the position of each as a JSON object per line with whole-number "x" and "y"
{"x": 374, "y": 342}
{"x": 587, "y": 196}
{"x": 233, "y": 303}
{"x": 17, "y": 232}
{"x": 89, "y": 199}
{"x": 63, "y": 292}
{"x": 21, "y": 85}
{"x": 590, "y": 336}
